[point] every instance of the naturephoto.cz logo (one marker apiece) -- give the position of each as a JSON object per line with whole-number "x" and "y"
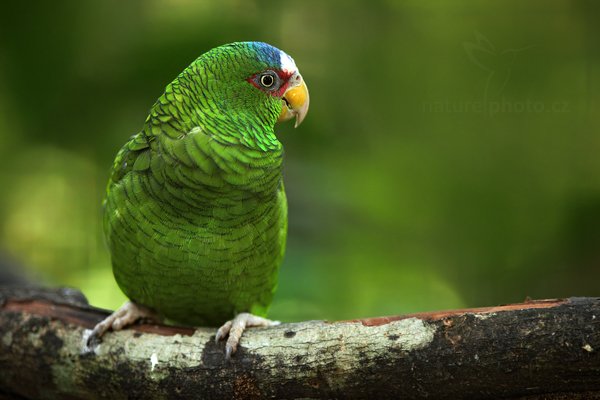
{"x": 498, "y": 65}
{"x": 493, "y": 107}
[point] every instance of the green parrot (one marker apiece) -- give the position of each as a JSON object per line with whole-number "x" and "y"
{"x": 195, "y": 213}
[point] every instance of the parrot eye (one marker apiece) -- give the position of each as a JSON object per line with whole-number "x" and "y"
{"x": 268, "y": 80}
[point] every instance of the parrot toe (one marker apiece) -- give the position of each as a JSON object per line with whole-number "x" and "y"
{"x": 235, "y": 328}
{"x": 223, "y": 331}
{"x": 126, "y": 315}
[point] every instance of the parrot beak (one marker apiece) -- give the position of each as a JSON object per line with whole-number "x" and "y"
{"x": 295, "y": 101}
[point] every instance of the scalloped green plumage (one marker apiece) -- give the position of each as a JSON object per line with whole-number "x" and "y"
{"x": 195, "y": 211}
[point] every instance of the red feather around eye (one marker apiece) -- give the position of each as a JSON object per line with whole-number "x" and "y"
{"x": 284, "y": 76}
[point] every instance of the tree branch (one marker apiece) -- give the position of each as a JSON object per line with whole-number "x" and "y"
{"x": 539, "y": 349}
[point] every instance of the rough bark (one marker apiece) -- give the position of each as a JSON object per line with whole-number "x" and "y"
{"x": 545, "y": 349}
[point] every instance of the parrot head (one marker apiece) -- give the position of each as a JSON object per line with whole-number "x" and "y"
{"x": 255, "y": 81}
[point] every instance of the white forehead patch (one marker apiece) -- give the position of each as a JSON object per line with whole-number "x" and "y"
{"x": 287, "y": 62}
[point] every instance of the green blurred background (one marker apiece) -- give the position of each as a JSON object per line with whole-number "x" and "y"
{"x": 451, "y": 156}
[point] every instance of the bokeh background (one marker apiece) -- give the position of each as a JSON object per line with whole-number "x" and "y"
{"x": 451, "y": 156}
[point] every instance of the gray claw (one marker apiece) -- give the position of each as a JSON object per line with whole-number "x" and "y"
{"x": 233, "y": 329}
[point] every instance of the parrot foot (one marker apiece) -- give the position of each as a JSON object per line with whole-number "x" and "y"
{"x": 235, "y": 327}
{"x": 126, "y": 315}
